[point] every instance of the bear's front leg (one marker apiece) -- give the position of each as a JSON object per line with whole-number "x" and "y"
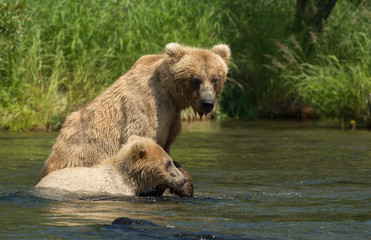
{"x": 185, "y": 191}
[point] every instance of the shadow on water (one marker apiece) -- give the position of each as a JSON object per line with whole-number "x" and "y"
{"x": 80, "y": 209}
{"x": 136, "y": 228}
{"x": 253, "y": 180}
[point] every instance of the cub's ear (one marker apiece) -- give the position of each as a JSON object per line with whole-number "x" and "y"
{"x": 222, "y": 50}
{"x": 139, "y": 150}
{"x": 174, "y": 50}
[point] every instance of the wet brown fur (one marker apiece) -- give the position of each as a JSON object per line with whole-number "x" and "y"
{"x": 139, "y": 165}
{"x": 146, "y": 101}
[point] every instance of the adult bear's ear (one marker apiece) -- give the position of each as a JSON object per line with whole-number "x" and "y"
{"x": 222, "y": 50}
{"x": 139, "y": 150}
{"x": 175, "y": 51}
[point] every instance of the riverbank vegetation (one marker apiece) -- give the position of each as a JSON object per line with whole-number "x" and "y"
{"x": 289, "y": 60}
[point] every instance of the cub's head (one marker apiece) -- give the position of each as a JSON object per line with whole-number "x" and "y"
{"x": 199, "y": 74}
{"x": 148, "y": 165}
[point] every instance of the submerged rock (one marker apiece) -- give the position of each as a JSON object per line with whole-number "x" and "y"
{"x": 129, "y": 221}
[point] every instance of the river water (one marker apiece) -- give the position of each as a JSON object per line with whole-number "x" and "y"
{"x": 253, "y": 180}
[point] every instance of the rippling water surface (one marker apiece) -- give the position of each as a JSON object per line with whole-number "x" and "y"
{"x": 253, "y": 180}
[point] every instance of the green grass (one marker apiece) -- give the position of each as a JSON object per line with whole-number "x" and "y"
{"x": 336, "y": 78}
{"x": 71, "y": 50}
{"x": 58, "y": 55}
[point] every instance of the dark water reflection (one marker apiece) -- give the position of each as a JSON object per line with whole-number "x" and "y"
{"x": 253, "y": 180}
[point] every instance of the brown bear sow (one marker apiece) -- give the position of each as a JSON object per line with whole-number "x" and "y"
{"x": 139, "y": 165}
{"x": 146, "y": 101}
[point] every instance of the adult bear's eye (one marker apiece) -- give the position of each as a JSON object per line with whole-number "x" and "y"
{"x": 195, "y": 83}
{"x": 215, "y": 81}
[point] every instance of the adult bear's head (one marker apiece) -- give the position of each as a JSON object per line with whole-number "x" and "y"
{"x": 198, "y": 74}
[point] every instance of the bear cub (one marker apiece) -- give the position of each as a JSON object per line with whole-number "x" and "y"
{"x": 139, "y": 165}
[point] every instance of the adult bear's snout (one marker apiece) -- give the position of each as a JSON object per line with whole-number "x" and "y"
{"x": 207, "y": 100}
{"x": 206, "y": 106}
